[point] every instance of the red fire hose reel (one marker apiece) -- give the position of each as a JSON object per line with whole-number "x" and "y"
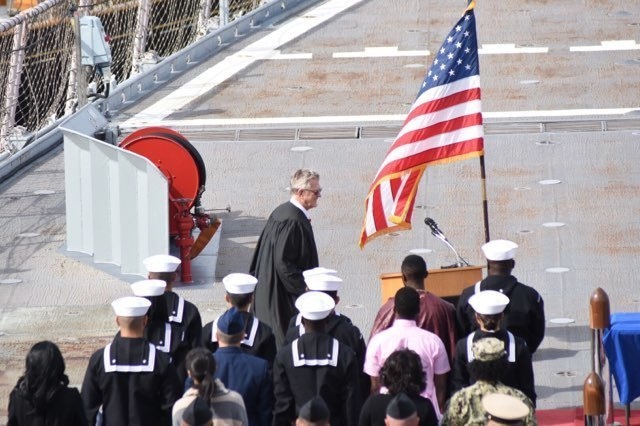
{"x": 184, "y": 169}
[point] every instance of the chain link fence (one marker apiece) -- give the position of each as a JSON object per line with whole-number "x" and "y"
{"x": 38, "y": 69}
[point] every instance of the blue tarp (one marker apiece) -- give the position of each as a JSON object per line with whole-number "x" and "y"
{"x": 622, "y": 346}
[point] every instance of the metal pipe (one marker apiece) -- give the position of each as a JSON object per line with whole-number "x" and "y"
{"x": 76, "y": 63}
{"x": 203, "y": 17}
{"x": 140, "y": 37}
{"x": 13, "y": 83}
{"x": 28, "y": 15}
{"x": 224, "y": 12}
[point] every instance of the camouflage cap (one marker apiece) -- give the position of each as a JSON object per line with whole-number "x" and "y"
{"x": 488, "y": 349}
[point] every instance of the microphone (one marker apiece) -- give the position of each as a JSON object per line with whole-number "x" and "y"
{"x": 436, "y": 232}
{"x": 434, "y": 226}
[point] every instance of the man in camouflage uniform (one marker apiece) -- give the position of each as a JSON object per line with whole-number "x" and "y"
{"x": 465, "y": 406}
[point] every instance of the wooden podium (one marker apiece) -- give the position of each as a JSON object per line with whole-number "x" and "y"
{"x": 447, "y": 283}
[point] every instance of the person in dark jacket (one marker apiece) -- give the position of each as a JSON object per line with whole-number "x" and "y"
{"x": 258, "y": 339}
{"x": 246, "y": 374}
{"x": 489, "y": 306}
{"x": 401, "y": 373}
{"x": 286, "y": 248}
{"x": 42, "y": 395}
{"x": 183, "y": 315}
{"x": 524, "y": 316}
{"x": 337, "y": 325}
{"x": 316, "y": 364}
{"x": 130, "y": 378}
{"x": 165, "y": 336}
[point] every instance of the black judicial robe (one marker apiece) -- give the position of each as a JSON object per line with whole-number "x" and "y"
{"x": 286, "y": 248}
{"x": 316, "y": 364}
{"x": 135, "y": 383}
{"x": 519, "y": 371}
{"x": 340, "y": 327}
{"x": 186, "y": 317}
{"x": 524, "y": 315}
{"x": 258, "y": 338}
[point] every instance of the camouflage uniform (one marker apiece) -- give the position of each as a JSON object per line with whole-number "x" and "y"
{"x": 465, "y": 406}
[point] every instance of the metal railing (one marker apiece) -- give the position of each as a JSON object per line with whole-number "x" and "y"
{"x": 38, "y": 59}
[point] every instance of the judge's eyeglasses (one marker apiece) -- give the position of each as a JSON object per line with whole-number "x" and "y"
{"x": 316, "y": 192}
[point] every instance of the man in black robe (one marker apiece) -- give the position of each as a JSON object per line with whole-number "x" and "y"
{"x": 285, "y": 249}
{"x": 132, "y": 380}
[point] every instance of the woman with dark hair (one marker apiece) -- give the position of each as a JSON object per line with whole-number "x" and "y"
{"x": 227, "y": 405}
{"x": 42, "y": 395}
{"x": 401, "y": 373}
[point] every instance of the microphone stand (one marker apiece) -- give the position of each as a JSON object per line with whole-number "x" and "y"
{"x": 460, "y": 261}
{"x": 436, "y": 232}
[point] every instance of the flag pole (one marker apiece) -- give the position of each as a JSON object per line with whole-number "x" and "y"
{"x": 485, "y": 209}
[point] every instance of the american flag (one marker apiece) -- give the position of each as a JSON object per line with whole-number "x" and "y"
{"x": 443, "y": 125}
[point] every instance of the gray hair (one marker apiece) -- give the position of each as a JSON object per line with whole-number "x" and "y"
{"x": 301, "y": 178}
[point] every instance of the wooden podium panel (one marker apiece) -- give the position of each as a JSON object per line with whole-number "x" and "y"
{"x": 441, "y": 282}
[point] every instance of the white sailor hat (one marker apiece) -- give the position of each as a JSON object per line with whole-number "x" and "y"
{"x": 147, "y": 288}
{"x": 315, "y": 305}
{"x": 130, "y": 306}
{"x": 238, "y": 283}
{"x": 318, "y": 270}
{"x": 161, "y": 263}
{"x": 499, "y": 250}
{"x": 323, "y": 282}
{"x": 489, "y": 302}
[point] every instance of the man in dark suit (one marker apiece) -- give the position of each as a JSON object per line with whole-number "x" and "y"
{"x": 286, "y": 248}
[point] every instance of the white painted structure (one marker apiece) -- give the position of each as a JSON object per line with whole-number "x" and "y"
{"x": 116, "y": 203}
